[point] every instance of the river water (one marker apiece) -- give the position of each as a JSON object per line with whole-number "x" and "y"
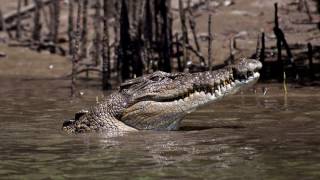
{"x": 245, "y": 136}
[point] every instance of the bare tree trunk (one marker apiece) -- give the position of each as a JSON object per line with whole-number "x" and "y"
{"x": 262, "y": 56}
{"x": 281, "y": 40}
{"x": 165, "y": 36}
{"x": 194, "y": 32}
{"x": 156, "y": 20}
{"x": 36, "y": 35}
{"x": 192, "y": 23}
{"x": 70, "y": 26}
{"x": 47, "y": 19}
{"x": 54, "y": 10}
{"x": 147, "y": 33}
{"x": 133, "y": 7}
{"x": 184, "y": 30}
{"x": 75, "y": 51}
{"x": 106, "y": 49}
{"x": 180, "y": 68}
{"x": 18, "y": 30}
{"x": 279, "y": 45}
{"x": 125, "y": 41}
{"x": 56, "y": 22}
{"x": 84, "y": 34}
{"x": 3, "y": 25}
{"x": 209, "y": 43}
{"x": 310, "y": 58}
{"x": 307, "y": 10}
{"x": 97, "y": 30}
{"x": 116, "y": 27}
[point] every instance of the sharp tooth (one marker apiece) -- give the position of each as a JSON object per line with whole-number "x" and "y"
{"x": 256, "y": 74}
{"x": 196, "y": 93}
{"x": 212, "y": 97}
{"x": 223, "y": 89}
{"x": 217, "y": 93}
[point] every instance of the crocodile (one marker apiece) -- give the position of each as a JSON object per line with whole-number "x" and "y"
{"x": 159, "y": 101}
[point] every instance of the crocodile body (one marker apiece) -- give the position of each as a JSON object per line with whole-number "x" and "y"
{"x": 159, "y": 101}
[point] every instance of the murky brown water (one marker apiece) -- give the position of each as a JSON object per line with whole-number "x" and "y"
{"x": 248, "y": 136}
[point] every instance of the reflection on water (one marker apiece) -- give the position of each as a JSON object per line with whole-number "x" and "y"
{"x": 247, "y": 136}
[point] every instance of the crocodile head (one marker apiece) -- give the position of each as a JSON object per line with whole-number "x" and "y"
{"x": 160, "y": 100}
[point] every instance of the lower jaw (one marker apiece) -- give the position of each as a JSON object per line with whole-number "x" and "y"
{"x": 197, "y": 99}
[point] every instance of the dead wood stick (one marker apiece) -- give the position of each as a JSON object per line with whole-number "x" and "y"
{"x": 306, "y": 5}
{"x": 12, "y": 15}
{"x": 184, "y": 30}
{"x": 18, "y": 22}
{"x": 209, "y": 43}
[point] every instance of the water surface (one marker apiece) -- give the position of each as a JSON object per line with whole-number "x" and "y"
{"x": 245, "y": 136}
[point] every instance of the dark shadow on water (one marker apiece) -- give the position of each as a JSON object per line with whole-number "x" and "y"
{"x": 200, "y": 128}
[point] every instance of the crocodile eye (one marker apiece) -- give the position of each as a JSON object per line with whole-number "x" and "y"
{"x": 156, "y": 78}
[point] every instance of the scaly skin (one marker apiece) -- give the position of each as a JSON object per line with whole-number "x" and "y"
{"x": 159, "y": 101}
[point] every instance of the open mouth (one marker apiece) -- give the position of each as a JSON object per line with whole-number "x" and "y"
{"x": 218, "y": 89}
{"x": 167, "y": 113}
{"x": 166, "y": 109}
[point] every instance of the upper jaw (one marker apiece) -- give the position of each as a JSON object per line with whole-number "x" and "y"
{"x": 214, "y": 82}
{"x": 220, "y": 82}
